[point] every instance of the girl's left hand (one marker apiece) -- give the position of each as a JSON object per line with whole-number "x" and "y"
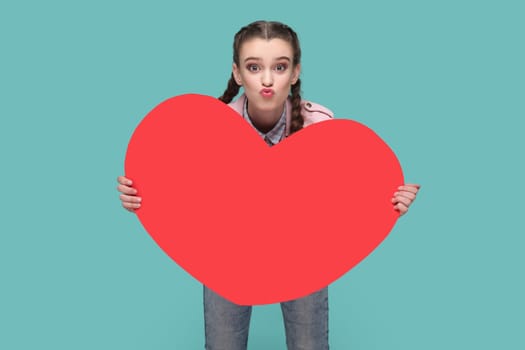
{"x": 404, "y": 197}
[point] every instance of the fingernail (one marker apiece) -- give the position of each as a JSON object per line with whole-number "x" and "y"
{"x": 129, "y": 182}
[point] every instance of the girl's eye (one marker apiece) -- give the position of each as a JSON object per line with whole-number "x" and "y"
{"x": 281, "y": 67}
{"x": 253, "y": 67}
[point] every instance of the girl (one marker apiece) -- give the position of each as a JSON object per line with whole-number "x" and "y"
{"x": 266, "y": 63}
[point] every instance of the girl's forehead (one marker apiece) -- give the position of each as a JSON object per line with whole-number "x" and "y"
{"x": 265, "y": 48}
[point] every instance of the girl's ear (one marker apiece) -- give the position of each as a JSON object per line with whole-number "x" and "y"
{"x": 296, "y": 73}
{"x": 236, "y": 74}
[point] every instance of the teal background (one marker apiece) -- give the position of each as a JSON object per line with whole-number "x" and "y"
{"x": 441, "y": 82}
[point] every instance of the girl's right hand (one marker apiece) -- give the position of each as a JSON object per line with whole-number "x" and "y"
{"x": 130, "y": 201}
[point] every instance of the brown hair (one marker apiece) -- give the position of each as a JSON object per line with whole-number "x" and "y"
{"x": 269, "y": 30}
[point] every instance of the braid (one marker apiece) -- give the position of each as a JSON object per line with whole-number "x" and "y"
{"x": 297, "y": 119}
{"x": 231, "y": 91}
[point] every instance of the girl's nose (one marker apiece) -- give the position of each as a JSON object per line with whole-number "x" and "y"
{"x": 267, "y": 78}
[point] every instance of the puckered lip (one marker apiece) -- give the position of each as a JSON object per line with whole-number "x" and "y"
{"x": 267, "y": 92}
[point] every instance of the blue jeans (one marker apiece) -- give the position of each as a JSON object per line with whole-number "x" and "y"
{"x": 305, "y": 322}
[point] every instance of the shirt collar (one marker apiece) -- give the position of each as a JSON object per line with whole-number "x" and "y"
{"x": 273, "y": 136}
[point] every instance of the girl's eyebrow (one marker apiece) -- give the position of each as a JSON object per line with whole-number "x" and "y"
{"x": 260, "y": 59}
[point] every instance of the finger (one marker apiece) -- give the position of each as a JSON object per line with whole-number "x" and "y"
{"x": 130, "y": 199}
{"x": 124, "y": 181}
{"x": 405, "y": 194}
{"x": 126, "y": 189}
{"x": 130, "y": 206}
{"x": 410, "y": 188}
{"x": 401, "y": 208}
{"x": 403, "y": 200}
{"x": 413, "y": 185}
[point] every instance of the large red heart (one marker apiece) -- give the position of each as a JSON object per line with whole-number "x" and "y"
{"x": 256, "y": 224}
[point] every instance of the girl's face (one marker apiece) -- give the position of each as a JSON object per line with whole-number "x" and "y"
{"x": 266, "y": 71}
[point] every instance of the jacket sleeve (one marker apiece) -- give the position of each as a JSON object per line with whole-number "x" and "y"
{"x": 314, "y": 113}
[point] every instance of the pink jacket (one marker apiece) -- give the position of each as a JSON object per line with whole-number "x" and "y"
{"x": 312, "y": 112}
